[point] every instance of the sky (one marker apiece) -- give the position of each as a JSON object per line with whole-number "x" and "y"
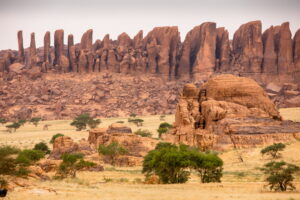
{"x": 130, "y": 16}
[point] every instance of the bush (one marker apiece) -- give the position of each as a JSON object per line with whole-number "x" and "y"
{"x": 120, "y": 122}
{"x": 143, "y": 133}
{"x": 171, "y": 164}
{"x": 163, "y": 128}
{"x": 7, "y": 163}
{"x": 83, "y": 120}
{"x": 2, "y": 121}
{"x": 162, "y": 117}
{"x": 71, "y": 164}
{"x": 55, "y": 136}
{"x": 112, "y": 151}
{"x": 28, "y": 156}
{"x": 280, "y": 175}
{"x": 136, "y": 121}
{"x": 22, "y": 122}
{"x": 168, "y": 162}
{"x": 273, "y": 150}
{"x": 42, "y": 146}
{"x": 13, "y": 127}
{"x": 35, "y": 120}
{"x": 133, "y": 115}
{"x": 208, "y": 166}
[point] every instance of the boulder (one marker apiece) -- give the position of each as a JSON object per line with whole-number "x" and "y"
{"x": 16, "y": 68}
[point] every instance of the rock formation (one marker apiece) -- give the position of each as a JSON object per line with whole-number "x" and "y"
{"x": 21, "y": 53}
{"x": 58, "y": 46}
{"x": 33, "y": 59}
{"x": 222, "y": 114}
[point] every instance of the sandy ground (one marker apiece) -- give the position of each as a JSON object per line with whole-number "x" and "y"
{"x": 241, "y": 180}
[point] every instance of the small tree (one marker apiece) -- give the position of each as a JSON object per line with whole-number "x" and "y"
{"x": 42, "y": 146}
{"x": 163, "y": 128}
{"x": 13, "y": 127}
{"x": 208, "y": 166}
{"x": 83, "y": 120}
{"x": 162, "y": 117}
{"x": 22, "y": 122}
{"x": 143, "y": 133}
{"x": 133, "y": 115}
{"x": 280, "y": 175}
{"x": 2, "y": 121}
{"x": 273, "y": 150}
{"x": 35, "y": 121}
{"x": 71, "y": 164}
{"x": 7, "y": 162}
{"x": 55, "y": 136}
{"x": 112, "y": 151}
{"x": 29, "y": 156}
{"x": 136, "y": 121}
{"x": 168, "y": 162}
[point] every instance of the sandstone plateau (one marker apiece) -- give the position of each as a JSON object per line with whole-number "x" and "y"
{"x": 48, "y": 77}
{"x": 229, "y": 112}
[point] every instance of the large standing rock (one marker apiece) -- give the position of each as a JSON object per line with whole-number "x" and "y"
{"x": 87, "y": 40}
{"x": 248, "y": 47}
{"x": 124, "y": 40}
{"x": 138, "y": 40}
{"x": 198, "y": 52}
{"x": 47, "y": 56}
{"x": 58, "y": 45}
{"x": 297, "y": 50}
{"x": 270, "y": 56}
{"x": 112, "y": 62}
{"x": 21, "y": 54}
{"x": 284, "y": 43}
{"x": 33, "y": 59}
{"x": 152, "y": 50}
{"x": 83, "y": 62}
{"x": 223, "y": 50}
{"x": 168, "y": 38}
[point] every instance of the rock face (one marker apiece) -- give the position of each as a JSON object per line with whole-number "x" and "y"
{"x": 222, "y": 114}
{"x": 58, "y": 45}
{"x": 21, "y": 48}
{"x": 248, "y": 47}
{"x": 137, "y": 146}
{"x": 198, "y": 52}
{"x": 47, "y": 56}
{"x": 33, "y": 58}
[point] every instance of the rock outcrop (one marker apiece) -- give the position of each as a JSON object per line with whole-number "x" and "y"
{"x": 21, "y": 54}
{"x": 222, "y": 114}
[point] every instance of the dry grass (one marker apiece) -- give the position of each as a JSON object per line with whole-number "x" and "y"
{"x": 241, "y": 180}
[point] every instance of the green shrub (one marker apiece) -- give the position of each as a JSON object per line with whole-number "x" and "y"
{"x": 2, "y": 121}
{"x": 13, "y": 127}
{"x": 280, "y": 175}
{"x": 168, "y": 162}
{"x": 120, "y": 122}
{"x": 163, "y": 128}
{"x": 112, "y": 151}
{"x": 136, "y": 121}
{"x": 273, "y": 150}
{"x": 71, "y": 164}
{"x": 42, "y": 146}
{"x": 162, "y": 117}
{"x": 35, "y": 120}
{"x": 84, "y": 120}
{"x": 8, "y": 164}
{"x": 143, "y": 133}
{"x": 28, "y": 156}
{"x": 133, "y": 115}
{"x": 22, "y": 122}
{"x": 172, "y": 163}
{"x": 55, "y": 136}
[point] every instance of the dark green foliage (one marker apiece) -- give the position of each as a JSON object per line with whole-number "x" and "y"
{"x": 42, "y": 146}
{"x": 2, "y": 121}
{"x": 280, "y": 175}
{"x": 84, "y": 120}
{"x": 71, "y": 164}
{"x": 35, "y": 120}
{"x": 273, "y": 150}
{"x": 112, "y": 151}
{"x": 55, "y": 136}
{"x": 163, "y": 128}
{"x": 136, "y": 121}
{"x": 7, "y": 163}
{"x": 208, "y": 166}
{"x": 133, "y": 115}
{"x": 169, "y": 162}
{"x": 120, "y": 122}
{"x": 13, "y": 127}
{"x": 143, "y": 133}
{"x": 22, "y": 122}
{"x": 28, "y": 157}
{"x": 172, "y": 163}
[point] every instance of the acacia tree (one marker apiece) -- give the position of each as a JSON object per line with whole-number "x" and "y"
{"x": 112, "y": 151}
{"x": 280, "y": 175}
{"x": 13, "y": 127}
{"x": 273, "y": 150}
{"x": 55, "y": 136}
{"x": 84, "y": 120}
{"x": 35, "y": 121}
{"x": 163, "y": 128}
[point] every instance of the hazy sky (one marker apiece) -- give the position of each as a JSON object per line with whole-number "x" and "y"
{"x": 117, "y": 16}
